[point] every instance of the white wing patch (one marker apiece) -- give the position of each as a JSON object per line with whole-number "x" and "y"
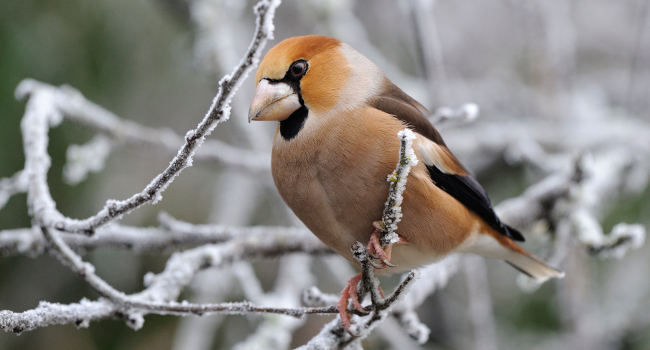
{"x": 433, "y": 154}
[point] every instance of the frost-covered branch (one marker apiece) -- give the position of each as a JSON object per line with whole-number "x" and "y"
{"x": 581, "y": 196}
{"x": 334, "y": 336}
{"x": 10, "y": 186}
{"x": 30, "y": 241}
{"x": 566, "y": 207}
{"x": 430, "y": 279}
{"x": 466, "y": 113}
{"x": 276, "y": 332}
{"x": 87, "y": 158}
{"x": 479, "y": 304}
{"x": 392, "y": 213}
{"x": 41, "y": 112}
{"x": 523, "y": 140}
{"x": 219, "y": 111}
{"x": 71, "y": 103}
{"x": 50, "y": 314}
{"x": 164, "y": 288}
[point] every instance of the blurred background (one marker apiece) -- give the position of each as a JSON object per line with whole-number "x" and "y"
{"x": 559, "y": 65}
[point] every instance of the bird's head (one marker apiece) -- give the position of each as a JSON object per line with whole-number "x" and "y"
{"x": 312, "y": 75}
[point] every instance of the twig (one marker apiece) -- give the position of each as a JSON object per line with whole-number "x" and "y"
{"x": 333, "y": 336}
{"x": 369, "y": 282}
{"x": 10, "y": 186}
{"x": 75, "y": 107}
{"x": 165, "y": 287}
{"x": 219, "y": 111}
{"x": 392, "y": 213}
{"x": 429, "y": 48}
{"x": 274, "y": 332}
{"x": 466, "y": 113}
{"x": 616, "y": 244}
{"x": 479, "y": 304}
{"x": 30, "y": 241}
{"x": 84, "y": 312}
{"x": 40, "y": 113}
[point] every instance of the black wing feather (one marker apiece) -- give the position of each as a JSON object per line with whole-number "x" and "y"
{"x": 469, "y": 192}
{"x": 465, "y": 189}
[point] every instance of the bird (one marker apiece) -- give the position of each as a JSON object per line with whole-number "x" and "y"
{"x": 337, "y": 117}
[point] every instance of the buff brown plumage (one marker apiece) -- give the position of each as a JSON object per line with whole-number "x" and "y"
{"x": 338, "y": 117}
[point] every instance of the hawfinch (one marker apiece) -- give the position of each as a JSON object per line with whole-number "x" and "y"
{"x": 336, "y": 141}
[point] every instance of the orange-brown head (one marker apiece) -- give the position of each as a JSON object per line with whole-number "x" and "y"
{"x": 311, "y": 75}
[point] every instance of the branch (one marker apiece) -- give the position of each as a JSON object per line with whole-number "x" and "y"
{"x": 75, "y": 107}
{"x": 580, "y": 196}
{"x": 10, "y": 186}
{"x": 508, "y": 136}
{"x": 466, "y": 113}
{"x": 570, "y": 204}
{"x": 274, "y": 332}
{"x": 479, "y": 304}
{"x": 166, "y": 286}
{"x": 432, "y": 278}
{"x": 392, "y": 213}
{"x": 616, "y": 244}
{"x": 218, "y": 112}
{"x": 333, "y": 336}
{"x": 30, "y": 241}
{"x": 50, "y": 314}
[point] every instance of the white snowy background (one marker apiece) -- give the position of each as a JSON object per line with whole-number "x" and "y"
{"x": 547, "y": 102}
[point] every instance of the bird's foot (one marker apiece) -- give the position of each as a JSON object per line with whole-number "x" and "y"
{"x": 380, "y": 256}
{"x": 349, "y": 292}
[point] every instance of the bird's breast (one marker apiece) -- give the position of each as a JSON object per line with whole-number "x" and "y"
{"x": 334, "y": 180}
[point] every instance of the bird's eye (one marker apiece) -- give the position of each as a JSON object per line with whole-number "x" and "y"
{"x": 298, "y": 69}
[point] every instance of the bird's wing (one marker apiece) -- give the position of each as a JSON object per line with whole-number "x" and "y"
{"x": 445, "y": 170}
{"x": 392, "y": 100}
{"x": 447, "y": 173}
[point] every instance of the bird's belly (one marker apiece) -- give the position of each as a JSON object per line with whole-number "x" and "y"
{"x": 337, "y": 202}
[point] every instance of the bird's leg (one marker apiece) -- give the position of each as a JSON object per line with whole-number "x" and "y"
{"x": 349, "y": 292}
{"x": 376, "y": 250}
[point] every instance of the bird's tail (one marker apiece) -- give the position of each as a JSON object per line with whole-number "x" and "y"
{"x": 531, "y": 266}
{"x": 498, "y": 246}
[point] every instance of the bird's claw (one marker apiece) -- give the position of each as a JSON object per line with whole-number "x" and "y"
{"x": 379, "y": 258}
{"x": 350, "y": 292}
{"x": 378, "y": 264}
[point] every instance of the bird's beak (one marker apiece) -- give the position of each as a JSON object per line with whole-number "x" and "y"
{"x": 273, "y": 101}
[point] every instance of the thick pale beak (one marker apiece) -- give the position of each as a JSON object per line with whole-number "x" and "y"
{"x": 273, "y": 101}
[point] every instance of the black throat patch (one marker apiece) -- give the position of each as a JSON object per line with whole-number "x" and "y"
{"x": 290, "y": 127}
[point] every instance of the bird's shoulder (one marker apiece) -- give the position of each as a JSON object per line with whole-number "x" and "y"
{"x": 393, "y": 101}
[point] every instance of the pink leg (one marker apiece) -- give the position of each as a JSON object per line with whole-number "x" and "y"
{"x": 374, "y": 247}
{"x": 354, "y": 281}
{"x": 350, "y": 291}
{"x": 342, "y": 306}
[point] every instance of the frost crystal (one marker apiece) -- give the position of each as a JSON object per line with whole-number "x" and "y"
{"x": 84, "y": 159}
{"x": 392, "y": 214}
